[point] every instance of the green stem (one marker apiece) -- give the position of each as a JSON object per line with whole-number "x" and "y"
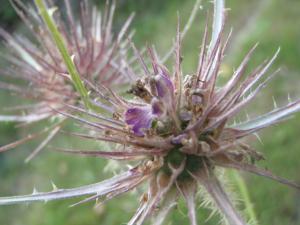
{"x": 78, "y": 84}
{"x": 244, "y": 193}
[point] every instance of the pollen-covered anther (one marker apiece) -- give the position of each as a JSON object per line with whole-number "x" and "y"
{"x": 139, "y": 90}
{"x": 116, "y": 116}
{"x": 204, "y": 147}
{"x": 190, "y": 145}
{"x": 151, "y": 165}
{"x": 184, "y": 141}
{"x": 188, "y": 81}
{"x": 197, "y": 109}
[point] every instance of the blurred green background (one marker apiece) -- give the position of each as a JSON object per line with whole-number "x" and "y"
{"x": 272, "y": 23}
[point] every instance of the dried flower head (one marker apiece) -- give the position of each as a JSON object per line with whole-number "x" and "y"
{"x": 100, "y": 57}
{"x": 176, "y": 129}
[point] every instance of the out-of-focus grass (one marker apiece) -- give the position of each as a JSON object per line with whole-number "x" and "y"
{"x": 273, "y": 23}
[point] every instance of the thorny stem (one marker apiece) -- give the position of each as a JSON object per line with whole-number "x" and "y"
{"x": 244, "y": 193}
{"x": 44, "y": 12}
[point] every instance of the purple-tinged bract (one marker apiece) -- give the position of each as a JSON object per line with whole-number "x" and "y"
{"x": 99, "y": 54}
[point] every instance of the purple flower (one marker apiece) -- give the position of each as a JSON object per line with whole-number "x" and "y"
{"x": 164, "y": 87}
{"x": 141, "y": 118}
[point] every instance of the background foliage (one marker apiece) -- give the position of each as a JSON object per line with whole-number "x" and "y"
{"x": 273, "y": 23}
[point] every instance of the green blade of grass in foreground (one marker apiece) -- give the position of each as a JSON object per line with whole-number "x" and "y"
{"x": 78, "y": 84}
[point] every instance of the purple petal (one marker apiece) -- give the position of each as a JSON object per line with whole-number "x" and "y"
{"x": 140, "y": 118}
{"x": 157, "y": 107}
{"x": 165, "y": 88}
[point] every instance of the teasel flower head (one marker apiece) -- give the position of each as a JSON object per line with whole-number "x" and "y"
{"x": 99, "y": 54}
{"x": 176, "y": 131}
